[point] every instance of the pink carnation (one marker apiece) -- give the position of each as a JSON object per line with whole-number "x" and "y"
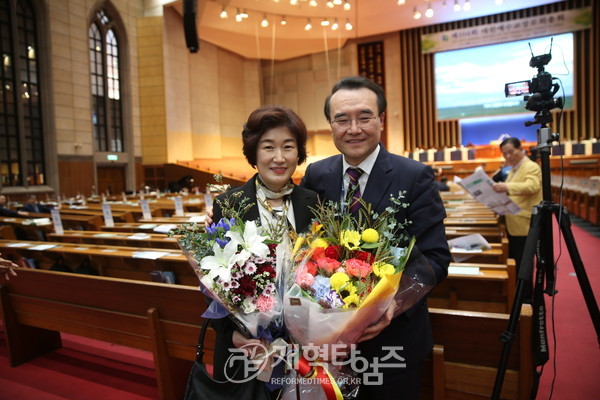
{"x": 358, "y": 268}
{"x": 305, "y": 280}
{"x": 328, "y": 264}
{"x": 265, "y": 303}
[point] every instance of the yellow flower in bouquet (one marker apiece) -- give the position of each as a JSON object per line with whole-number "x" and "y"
{"x": 319, "y": 243}
{"x": 350, "y": 239}
{"x": 370, "y": 235}
{"x": 381, "y": 269}
{"x": 338, "y": 280}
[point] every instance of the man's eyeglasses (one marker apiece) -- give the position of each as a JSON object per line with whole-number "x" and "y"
{"x": 345, "y": 123}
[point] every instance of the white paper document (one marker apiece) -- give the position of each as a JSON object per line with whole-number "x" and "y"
{"x": 479, "y": 185}
{"x": 42, "y": 247}
{"x": 164, "y": 228}
{"x": 464, "y": 247}
{"x": 456, "y": 270}
{"x": 150, "y": 255}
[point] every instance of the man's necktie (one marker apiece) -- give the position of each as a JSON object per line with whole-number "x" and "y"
{"x": 354, "y": 189}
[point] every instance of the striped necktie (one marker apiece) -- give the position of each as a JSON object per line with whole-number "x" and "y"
{"x": 354, "y": 189}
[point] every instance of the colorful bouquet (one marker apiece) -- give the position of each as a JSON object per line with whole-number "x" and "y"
{"x": 238, "y": 266}
{"x": 346, "y": 272}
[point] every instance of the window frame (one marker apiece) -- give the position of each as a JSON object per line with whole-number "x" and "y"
{"x": 30, "y": 67}
{"x": 109, "y": 135}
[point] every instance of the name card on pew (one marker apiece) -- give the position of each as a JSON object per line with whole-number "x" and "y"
{"x": 178, "y": 206}
{"x": 58, "y": 226}
{"x": 108, "y": 217}
{"x": 145, "y": 209}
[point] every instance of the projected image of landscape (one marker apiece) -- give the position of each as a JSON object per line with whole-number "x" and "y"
{"x": 470, "y": 82}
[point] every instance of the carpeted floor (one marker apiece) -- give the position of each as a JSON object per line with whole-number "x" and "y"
{"x": 577, "y": 354}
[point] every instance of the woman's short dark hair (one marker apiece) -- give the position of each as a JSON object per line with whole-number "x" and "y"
{"x": 355, "y": 83}
{"x": 512, "y": 140}
{"x": 266, "y": 118}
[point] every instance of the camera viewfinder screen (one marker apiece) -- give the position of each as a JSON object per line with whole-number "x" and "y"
{"x": 471, "y": 82}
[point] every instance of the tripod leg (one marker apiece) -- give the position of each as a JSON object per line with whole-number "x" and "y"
{"x": 524, "y": 278}
{"x": 584, "y": 283}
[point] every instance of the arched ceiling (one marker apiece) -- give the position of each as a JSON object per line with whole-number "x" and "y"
{"x": 368, "y": 18}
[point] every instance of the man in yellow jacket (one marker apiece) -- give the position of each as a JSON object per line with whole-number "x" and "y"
{"x": 524, "y": 186}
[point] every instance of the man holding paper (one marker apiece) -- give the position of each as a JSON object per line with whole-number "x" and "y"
{"x": 524, "y": 186}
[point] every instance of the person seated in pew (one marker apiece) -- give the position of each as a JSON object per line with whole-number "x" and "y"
{"x": 7, "y": 268}
{"x": 34, "y": 206}
{"x": 274, "y": 142}
{"x": 7, "y": 212}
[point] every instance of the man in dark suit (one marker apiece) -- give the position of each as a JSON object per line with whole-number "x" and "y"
{"x": 33, "y": 206}
{"x": 356, "y": 111}
{"x": 7, "y": 212}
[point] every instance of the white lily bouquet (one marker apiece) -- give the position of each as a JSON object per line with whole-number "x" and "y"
{"x": 239, "y": 266}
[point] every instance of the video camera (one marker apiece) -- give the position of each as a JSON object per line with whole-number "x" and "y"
{"x": 540, "y": 90}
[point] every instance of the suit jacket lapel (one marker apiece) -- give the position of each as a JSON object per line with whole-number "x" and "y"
{"x": 301, "y": 201}
{"x": 333, "y": 188}
{"x": 377, "y": 190}
{"x": 249, "y": 190}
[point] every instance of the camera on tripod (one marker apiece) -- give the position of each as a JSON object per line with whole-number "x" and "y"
{"x": 539, "y": 91}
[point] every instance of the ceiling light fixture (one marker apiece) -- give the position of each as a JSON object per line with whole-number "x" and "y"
{"x": 283, "y": 21}
{"x": 429, "y": 12}
{"x": 325, "y": 22}
{"x": 265, "y": 22}
{"x": 223, "y": 13}
{"x": 348, "y": 25}
{"x": 416, "y": 14}
{"x": 456, "y": 5}
{"x": 347, "y": 5}
{"x": 313, "y": 3}
{"x": 335, "y": 25}
{"x": 238, "y": 16}
{"x": 401, "y": 2}
{"x": 467, "y": 5}
{"x": 337, "y": 2}
{"x": 308, "y": 25}
{"x": 499, "y": 2}
{"x": 330, "y": 4}
{"x": 294, "y": 2}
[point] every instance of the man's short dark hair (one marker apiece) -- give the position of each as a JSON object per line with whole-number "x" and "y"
{"x": 512, "y": 140}
{"x": 355, "y": 83}
{"x": 268, "y": 117}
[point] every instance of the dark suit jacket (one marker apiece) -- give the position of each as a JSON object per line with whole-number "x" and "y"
{"x": 7, "y": 212}
{"x": 390, "y": 175}
{"x": 40, "y": 208}
{"x": 301, "y": 199}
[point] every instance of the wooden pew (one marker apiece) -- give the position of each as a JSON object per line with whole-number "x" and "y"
{"x": 111, "y": 261}
{"x": 121, "y": 216}
{"x": 77, "y": 222}
{"x": 159, "y": 318}
{"x": 474, "y": 221}
{"x": 493, "y": 234}
{"x": 467, "y": 352}
{"x": 7, "y": 232}
{"x": 498, "y": 254}
{"x": 477, "y": 287}
{"x": 154, "y": 240}
{"x": 146, "y": 227}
